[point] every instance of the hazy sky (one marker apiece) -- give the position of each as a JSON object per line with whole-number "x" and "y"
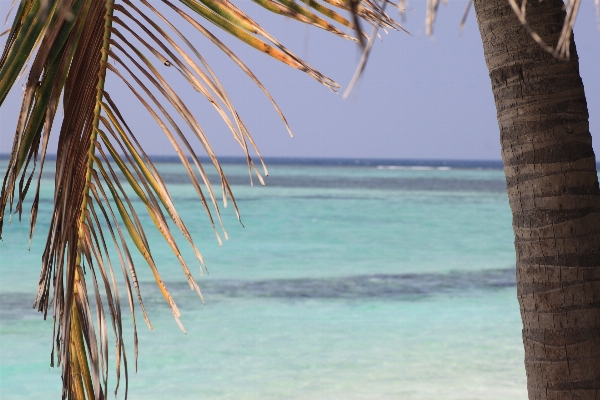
{"x": 420, "y": 97}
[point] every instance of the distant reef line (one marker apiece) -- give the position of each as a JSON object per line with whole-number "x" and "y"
{"x": 331, "y": 161}
{"x": 341, "y": 162}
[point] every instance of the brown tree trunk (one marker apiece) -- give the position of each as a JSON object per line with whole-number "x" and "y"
{"x": 553, "y": 191}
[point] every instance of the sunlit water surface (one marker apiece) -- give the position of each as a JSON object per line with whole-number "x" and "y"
{"x": 347, "y": 282}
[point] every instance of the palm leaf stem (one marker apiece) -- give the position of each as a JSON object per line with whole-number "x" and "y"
{"x": 99, "y": 92}
{"x": 79, "y": 357}
{"x": 81, "y": 360}
{"x": 75, "y": 371}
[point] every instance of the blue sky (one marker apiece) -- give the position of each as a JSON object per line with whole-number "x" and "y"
{"x": 420, "y": 97}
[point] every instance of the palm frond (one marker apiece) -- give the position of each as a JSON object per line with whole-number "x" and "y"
{"x": 67, "y": 49}
{"x": 562, "y": 48}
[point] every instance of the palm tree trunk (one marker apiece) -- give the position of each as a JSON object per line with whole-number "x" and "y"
{"x": 553, "y": 191}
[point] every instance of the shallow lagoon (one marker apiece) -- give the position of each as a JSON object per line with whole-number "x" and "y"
{"x": 347, "y": 282}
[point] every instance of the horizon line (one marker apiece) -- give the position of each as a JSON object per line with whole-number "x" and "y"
{"x": 326, "y": 161}
{"x": 336, "y": 161}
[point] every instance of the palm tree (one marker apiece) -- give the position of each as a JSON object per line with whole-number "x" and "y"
{"x": 68, "y": 48}
{"x": 546, "y": 147}
{"x": 552, "y": 187}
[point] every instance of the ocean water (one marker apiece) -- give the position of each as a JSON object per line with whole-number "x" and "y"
{"x": 366, "y": 280}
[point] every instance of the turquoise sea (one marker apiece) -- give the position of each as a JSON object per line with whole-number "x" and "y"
{"x": 349, "y": 280}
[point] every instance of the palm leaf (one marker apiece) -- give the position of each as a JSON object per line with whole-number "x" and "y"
{"x": 64, "y": 48}
{"x": 562, "y": 49}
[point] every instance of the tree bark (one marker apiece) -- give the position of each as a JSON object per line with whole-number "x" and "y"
{"x": 553, "y": 191}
